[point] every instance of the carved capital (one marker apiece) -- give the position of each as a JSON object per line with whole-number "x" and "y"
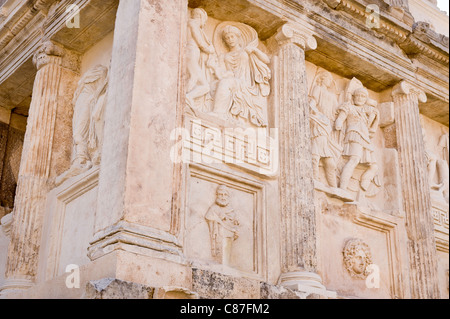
{"x": 53, "y": 53}
{"x": 299, "y": 36}
{"x": 406, "y": 88}
{"x": 47, "y": 53}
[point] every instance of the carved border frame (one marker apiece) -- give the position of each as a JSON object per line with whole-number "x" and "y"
{"x": 241, "y": 182}
{"x": 388, "y": 225}
{"x": 57, "y": 201}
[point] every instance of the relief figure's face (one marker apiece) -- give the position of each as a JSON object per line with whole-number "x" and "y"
{"x": 325, "y": 80}
{"x": 359, "y": 263}
{"x": 231, "y": 39}
{"x": 222, "y": 198}
{"x": 360, "y": 98}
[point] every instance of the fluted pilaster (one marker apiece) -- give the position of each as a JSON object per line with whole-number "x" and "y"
{"x": 415, "y": 190}
{"x": 298, "y": 220}
{"x": 35, "y": 169}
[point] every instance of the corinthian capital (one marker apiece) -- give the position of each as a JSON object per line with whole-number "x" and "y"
{"x": 406, "y": 88}
{"x": 297, "y": 35}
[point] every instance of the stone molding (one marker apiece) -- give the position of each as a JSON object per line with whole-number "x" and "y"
{"x": 412, "y": 37}
{"x": 132, "y": 237}
{"x": 389, "y": 226}
{"x": 62, "y": 196}
{"x": 18, "y": 18}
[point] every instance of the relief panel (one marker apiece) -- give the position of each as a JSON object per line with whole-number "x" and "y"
{"x": 225, "y": 222}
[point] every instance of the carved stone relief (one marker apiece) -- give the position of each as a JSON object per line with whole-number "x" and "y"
{"x": 360, "y": 117}
{"x": 224, "y": 221}
{"x": 342, "y": 130}
{"x": 325, "y": 145}
{"x": 357, "y": 257}
{"x": 436, "y": 157}
{"x": 223, "y": 225}
{"x": 88, "y": 121}
{"x": 228, "y": 76}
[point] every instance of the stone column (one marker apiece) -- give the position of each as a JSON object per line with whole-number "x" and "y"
{"x": 415, "y": 189}
{"x": 40, "y": 157}
{"x": 137, "y": 183}
{"x": 298, "y": 220}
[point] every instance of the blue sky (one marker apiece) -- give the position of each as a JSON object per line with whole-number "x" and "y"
{"x": 443, "y": 5}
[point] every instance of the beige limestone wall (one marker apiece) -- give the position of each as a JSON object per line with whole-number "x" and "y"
{"x": 100, "y": 53}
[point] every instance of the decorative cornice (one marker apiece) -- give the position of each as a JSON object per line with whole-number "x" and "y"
{"x": 289, "y": 33}
{"x": 16, "y": 21}
{"x": 406, "y": 88}
{"x": 425, "y": 41}
{"x": 413, "y": 38}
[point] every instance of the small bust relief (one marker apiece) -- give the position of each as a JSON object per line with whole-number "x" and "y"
{"x": 357, "y": 257}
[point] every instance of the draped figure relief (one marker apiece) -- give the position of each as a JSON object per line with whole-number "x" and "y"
{"x": 437, "y": 164}
{"x": 325, "y": 146}
{"x": 88, "y": 121}
{"x": 223, "y": 225}
{"x": 228, "y": 77}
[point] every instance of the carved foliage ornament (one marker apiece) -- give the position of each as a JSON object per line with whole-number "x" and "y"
{"x": 357, "y": 257}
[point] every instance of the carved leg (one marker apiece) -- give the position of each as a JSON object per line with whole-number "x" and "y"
{"x": 197, "y": 92}
{"x": 330, "y": 171}
{"x": 368, "y": 176}
{"x": 224, "y": 96}
{"x": 348, "y": 170}
{"x": 431, "y": 171}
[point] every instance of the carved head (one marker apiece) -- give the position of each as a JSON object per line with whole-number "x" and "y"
{"x": 360, "y": 96}
{"x": 231, "y": 36}
{"x": 357, "y": 257}
{"x": 222, "y": 196}
{"x": 200, "y": 14}
{"x": 325, "y": 78}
